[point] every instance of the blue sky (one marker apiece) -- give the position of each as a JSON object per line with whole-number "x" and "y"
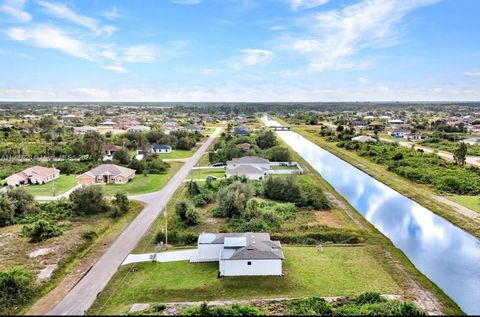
{"x": 240, "y": 50}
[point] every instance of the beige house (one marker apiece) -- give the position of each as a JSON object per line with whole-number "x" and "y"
{"x": 33, "y": 175}
{"x": 107, "y": 174}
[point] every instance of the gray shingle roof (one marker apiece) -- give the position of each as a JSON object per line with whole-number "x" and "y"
{"x": 110, "y": 169}
{"x": 258, "y": 246}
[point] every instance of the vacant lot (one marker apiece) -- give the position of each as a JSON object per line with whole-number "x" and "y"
{"x": 144, "y": 184}
{"x": 177, "y": 154}
{"x": 203, "y": 173}
{"x": 335, "y": 271}
{"x": 62, "y": 184}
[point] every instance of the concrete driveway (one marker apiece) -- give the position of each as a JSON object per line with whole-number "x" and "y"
{"x": 168, "y": 256}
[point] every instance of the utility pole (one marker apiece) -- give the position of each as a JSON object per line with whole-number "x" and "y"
{"x": 166, "y": 228}
{"x": 53, "y": 181}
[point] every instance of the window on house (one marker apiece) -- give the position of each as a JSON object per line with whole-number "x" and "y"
{"x": 249, "y": 263}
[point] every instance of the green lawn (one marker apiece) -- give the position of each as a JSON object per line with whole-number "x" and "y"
{"x": 143, "y": 184}
{"x": 338, "y": 271}
{"x": 203, "y": 173}
{"x": 177, "y": 154}
{"x": 472, "y": 202}
{"x": 62, "y": 184}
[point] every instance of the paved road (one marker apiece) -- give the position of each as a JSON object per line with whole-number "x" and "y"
{"x": 83, "y": 294}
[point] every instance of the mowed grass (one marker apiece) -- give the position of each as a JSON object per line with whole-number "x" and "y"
{"x": 203, "y": 173}
{"x": 337, "y": 271}
{"x": 144, "y": 184}
{"x": 177, "y": 154}
{"x": 471, "y": 202}
{"x": 62, "y": 184}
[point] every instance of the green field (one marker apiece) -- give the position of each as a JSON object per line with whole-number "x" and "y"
{"x": 62, "y": 184}
{"x": 203, "y": 173}
{"x": 337, "y": 271}
{"x": 472, "y": 202}
{"x": 143, "y": 184}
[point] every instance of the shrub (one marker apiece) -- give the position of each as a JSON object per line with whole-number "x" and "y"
{"x": 279, "y": 154}
{"x": 89, "y": 235}
{"x": 233, "y": 198}
{"x": 231, "y": 310}
{"x": 41, "y": 230}
{"x": 16, "y": 287}
{"x": 178, "y": 238}
{"x": 311, "y": 306}
{"x": 266, "y": 139}
{"x": 186, "y": 212}
{"x": 193, "y": 188}
{"x": 89, "y": 200}
{"x": 369, "y": 298}
{"x": 121, "y": 203}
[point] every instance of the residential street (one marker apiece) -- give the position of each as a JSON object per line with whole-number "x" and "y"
{"x": 84, "y": 293}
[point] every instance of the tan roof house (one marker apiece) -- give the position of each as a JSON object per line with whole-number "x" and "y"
{"x": 33, "y": 175}
{"x": 107, "y": 174}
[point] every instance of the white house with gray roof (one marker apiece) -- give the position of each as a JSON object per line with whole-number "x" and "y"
{"x": 253, "y": 167}
{"x": 241, "y": 254}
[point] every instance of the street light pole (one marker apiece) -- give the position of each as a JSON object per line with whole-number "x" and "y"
{"x": 166, "y": 228}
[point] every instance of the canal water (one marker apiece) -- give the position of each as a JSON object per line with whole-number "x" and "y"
{"x": 447, "y": 255}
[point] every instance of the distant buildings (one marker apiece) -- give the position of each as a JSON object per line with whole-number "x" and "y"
{"x": 109, "y": 149}
{"x": 475, "y": 141}
{"x": 84, "y": 129}
{"x": 240, "y": 130}
{"x": 364, "y": 139}
{"x": 107, "y": 174}
{"x": 138, "y": 128}
{"x": 160, "y": 148}
{"x": 33, "y": 175}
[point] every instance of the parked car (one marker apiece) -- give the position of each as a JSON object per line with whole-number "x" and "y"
{"x": 211, "y": 178}
{"x": 221, "y": 164}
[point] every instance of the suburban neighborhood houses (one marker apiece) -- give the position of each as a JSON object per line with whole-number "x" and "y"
{"x": 33, "y": 175}
{"x": 106, "y": 174}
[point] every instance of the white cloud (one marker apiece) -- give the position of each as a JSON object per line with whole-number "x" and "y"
{"x": 334, "y": 37}
{"x": 116, "y": 68}
{"x": 362, "y": 80}
{"x": 296, "y": 5}
{"x": 95, "y": 93}
{"x": 251, "y": 57}
{"x": 187, "y": 2}
{"x": 63, "y": 12}
{"x": 237, "y": 93}
{"x": 15, "y": 9}
{"x": 138, "y": 54}
{"x": 112, "y": 14}
{"x": 46, "y": 36}
{"x": 472, "y": 74}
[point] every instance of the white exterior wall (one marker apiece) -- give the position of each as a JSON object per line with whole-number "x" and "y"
{"x": 257, "y": 267}
{"x": 209, "y": 252}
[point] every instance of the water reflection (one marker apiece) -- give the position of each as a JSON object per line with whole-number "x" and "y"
{"x": 447, "y": 255}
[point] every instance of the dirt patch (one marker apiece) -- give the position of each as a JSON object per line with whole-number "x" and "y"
{"x": 334, "y": 200}
{"x": 46, "y": 273}
{"x": 421, "y": 297}
{"x": 328, "y": 218}
{"x": 40, "y": 252}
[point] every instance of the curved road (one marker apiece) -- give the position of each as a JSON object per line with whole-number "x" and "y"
{"x": 84, "y": 293}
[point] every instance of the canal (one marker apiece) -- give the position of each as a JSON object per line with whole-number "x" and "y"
{"x": 447, "y": 255}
